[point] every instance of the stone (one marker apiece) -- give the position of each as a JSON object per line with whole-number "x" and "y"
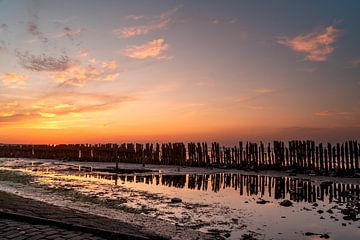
{"x": 176, "y": 200}
{"x": 261, "y": 201}
{"x": 330, "y": 211}
{"x": 286, "y": 203}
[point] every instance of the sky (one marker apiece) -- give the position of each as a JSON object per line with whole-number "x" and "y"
{"x": 86, "y": 71}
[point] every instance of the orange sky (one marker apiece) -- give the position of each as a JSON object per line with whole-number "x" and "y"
{"x": 177, "y": 72}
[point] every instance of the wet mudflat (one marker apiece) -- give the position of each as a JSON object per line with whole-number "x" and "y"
{"x": 228, "y": 204}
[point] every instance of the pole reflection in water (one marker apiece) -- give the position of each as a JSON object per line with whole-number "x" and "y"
{"x": 296, "y": 189}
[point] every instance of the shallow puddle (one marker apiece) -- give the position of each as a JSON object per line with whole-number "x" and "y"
{"x": 229, "y": 203}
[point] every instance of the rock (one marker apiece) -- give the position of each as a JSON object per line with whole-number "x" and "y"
{"x": 176, "y": 200}
{"x": 286, "y": 203}
{"x": 322, "y": 217}
{"x": 315, "y": 205}
{"x": 262, "y": 201}
{"x": 320, "y": 211}
{"x": 227, "y": 235}
{"x": 326, "y": 236}
{"x": 310, "y": 234}
{"x": 350, "y": 214}
{"x": 343, "y": 224}
{"x": 330, "y": 211}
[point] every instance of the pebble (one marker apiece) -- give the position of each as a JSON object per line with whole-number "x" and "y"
{"x": 286, "y": 203}
{"x": 176, "y": 200}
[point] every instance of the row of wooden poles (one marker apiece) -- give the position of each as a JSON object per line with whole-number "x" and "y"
{"x": 306, "y": 155}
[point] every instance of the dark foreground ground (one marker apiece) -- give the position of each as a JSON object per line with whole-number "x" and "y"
{"x": 22, "y": 218}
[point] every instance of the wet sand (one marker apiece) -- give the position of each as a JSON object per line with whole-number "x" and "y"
{"x": 223, "y": 203}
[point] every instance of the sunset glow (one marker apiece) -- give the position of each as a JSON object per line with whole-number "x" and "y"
{"x": 117, "y": 71}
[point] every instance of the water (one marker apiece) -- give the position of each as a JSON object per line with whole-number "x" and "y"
{"x": 222, "y": 202}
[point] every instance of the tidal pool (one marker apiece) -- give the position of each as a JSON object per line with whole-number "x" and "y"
{"x": 226, "y": 203}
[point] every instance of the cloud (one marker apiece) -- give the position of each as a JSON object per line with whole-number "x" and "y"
{"x": 78, "y": 74}
{"x": 326, "y": 113}
{"x": 3, "y": 27}
{"x": 83, "y": 53}
{"x": 56, "y": 105}
{"x": 316, "y": 45}
{"x": 43, "y": 62}
{"x": 3, "y": 46}
{"x": 257, "y": 93}
{"x": 64, "y": 20}
{"x": 355, "y": 62}
{"x": 70, "y": 33}
{"x": 203, "y": 83}
{"x": 161, "y": 22}
{"x": 264, "y": 90}
{"x": 152, "y": 49}
{"x": 134, "y": 17}
{"x": 34, "y": 30}
{"x": 111, "y": 77}
{"x": 14, "y": 79}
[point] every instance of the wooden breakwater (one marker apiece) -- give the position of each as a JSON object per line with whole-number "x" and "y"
{"x": 278, "y": 155}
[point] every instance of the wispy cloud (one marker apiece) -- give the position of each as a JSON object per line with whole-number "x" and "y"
{"x": 264, "y": 90}
{"x": 34, "y": 30}
{"x": 152, "y": 49}
{"x": 83, "y": 53}
{"x": 134, "y": 17}
{"x": 43, "y": 62}
{"x": 79, "y": 74}
{"x": 203, "y": 83}
{"x": 3, "y": 27}
{"x": 14, "y": 79}
{"x": 64, "y": 20}
{"x": 317, "y": 45}
{"x": 3, "y": 46}
{"x": 259, "y": 92}
{"x": 355, "y": 62}
{"x": 161, "y": 22}
{"x": 70, "y": 33}
{"x": 56, "y": 105}
{"x": 326, "y": 113}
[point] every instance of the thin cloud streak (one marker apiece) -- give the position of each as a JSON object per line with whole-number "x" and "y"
{"x": 14, "y": 79}
{"x": 162, "y": 22}
{"x": 327, "y": 113}
{"x": 57, "y": 104}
